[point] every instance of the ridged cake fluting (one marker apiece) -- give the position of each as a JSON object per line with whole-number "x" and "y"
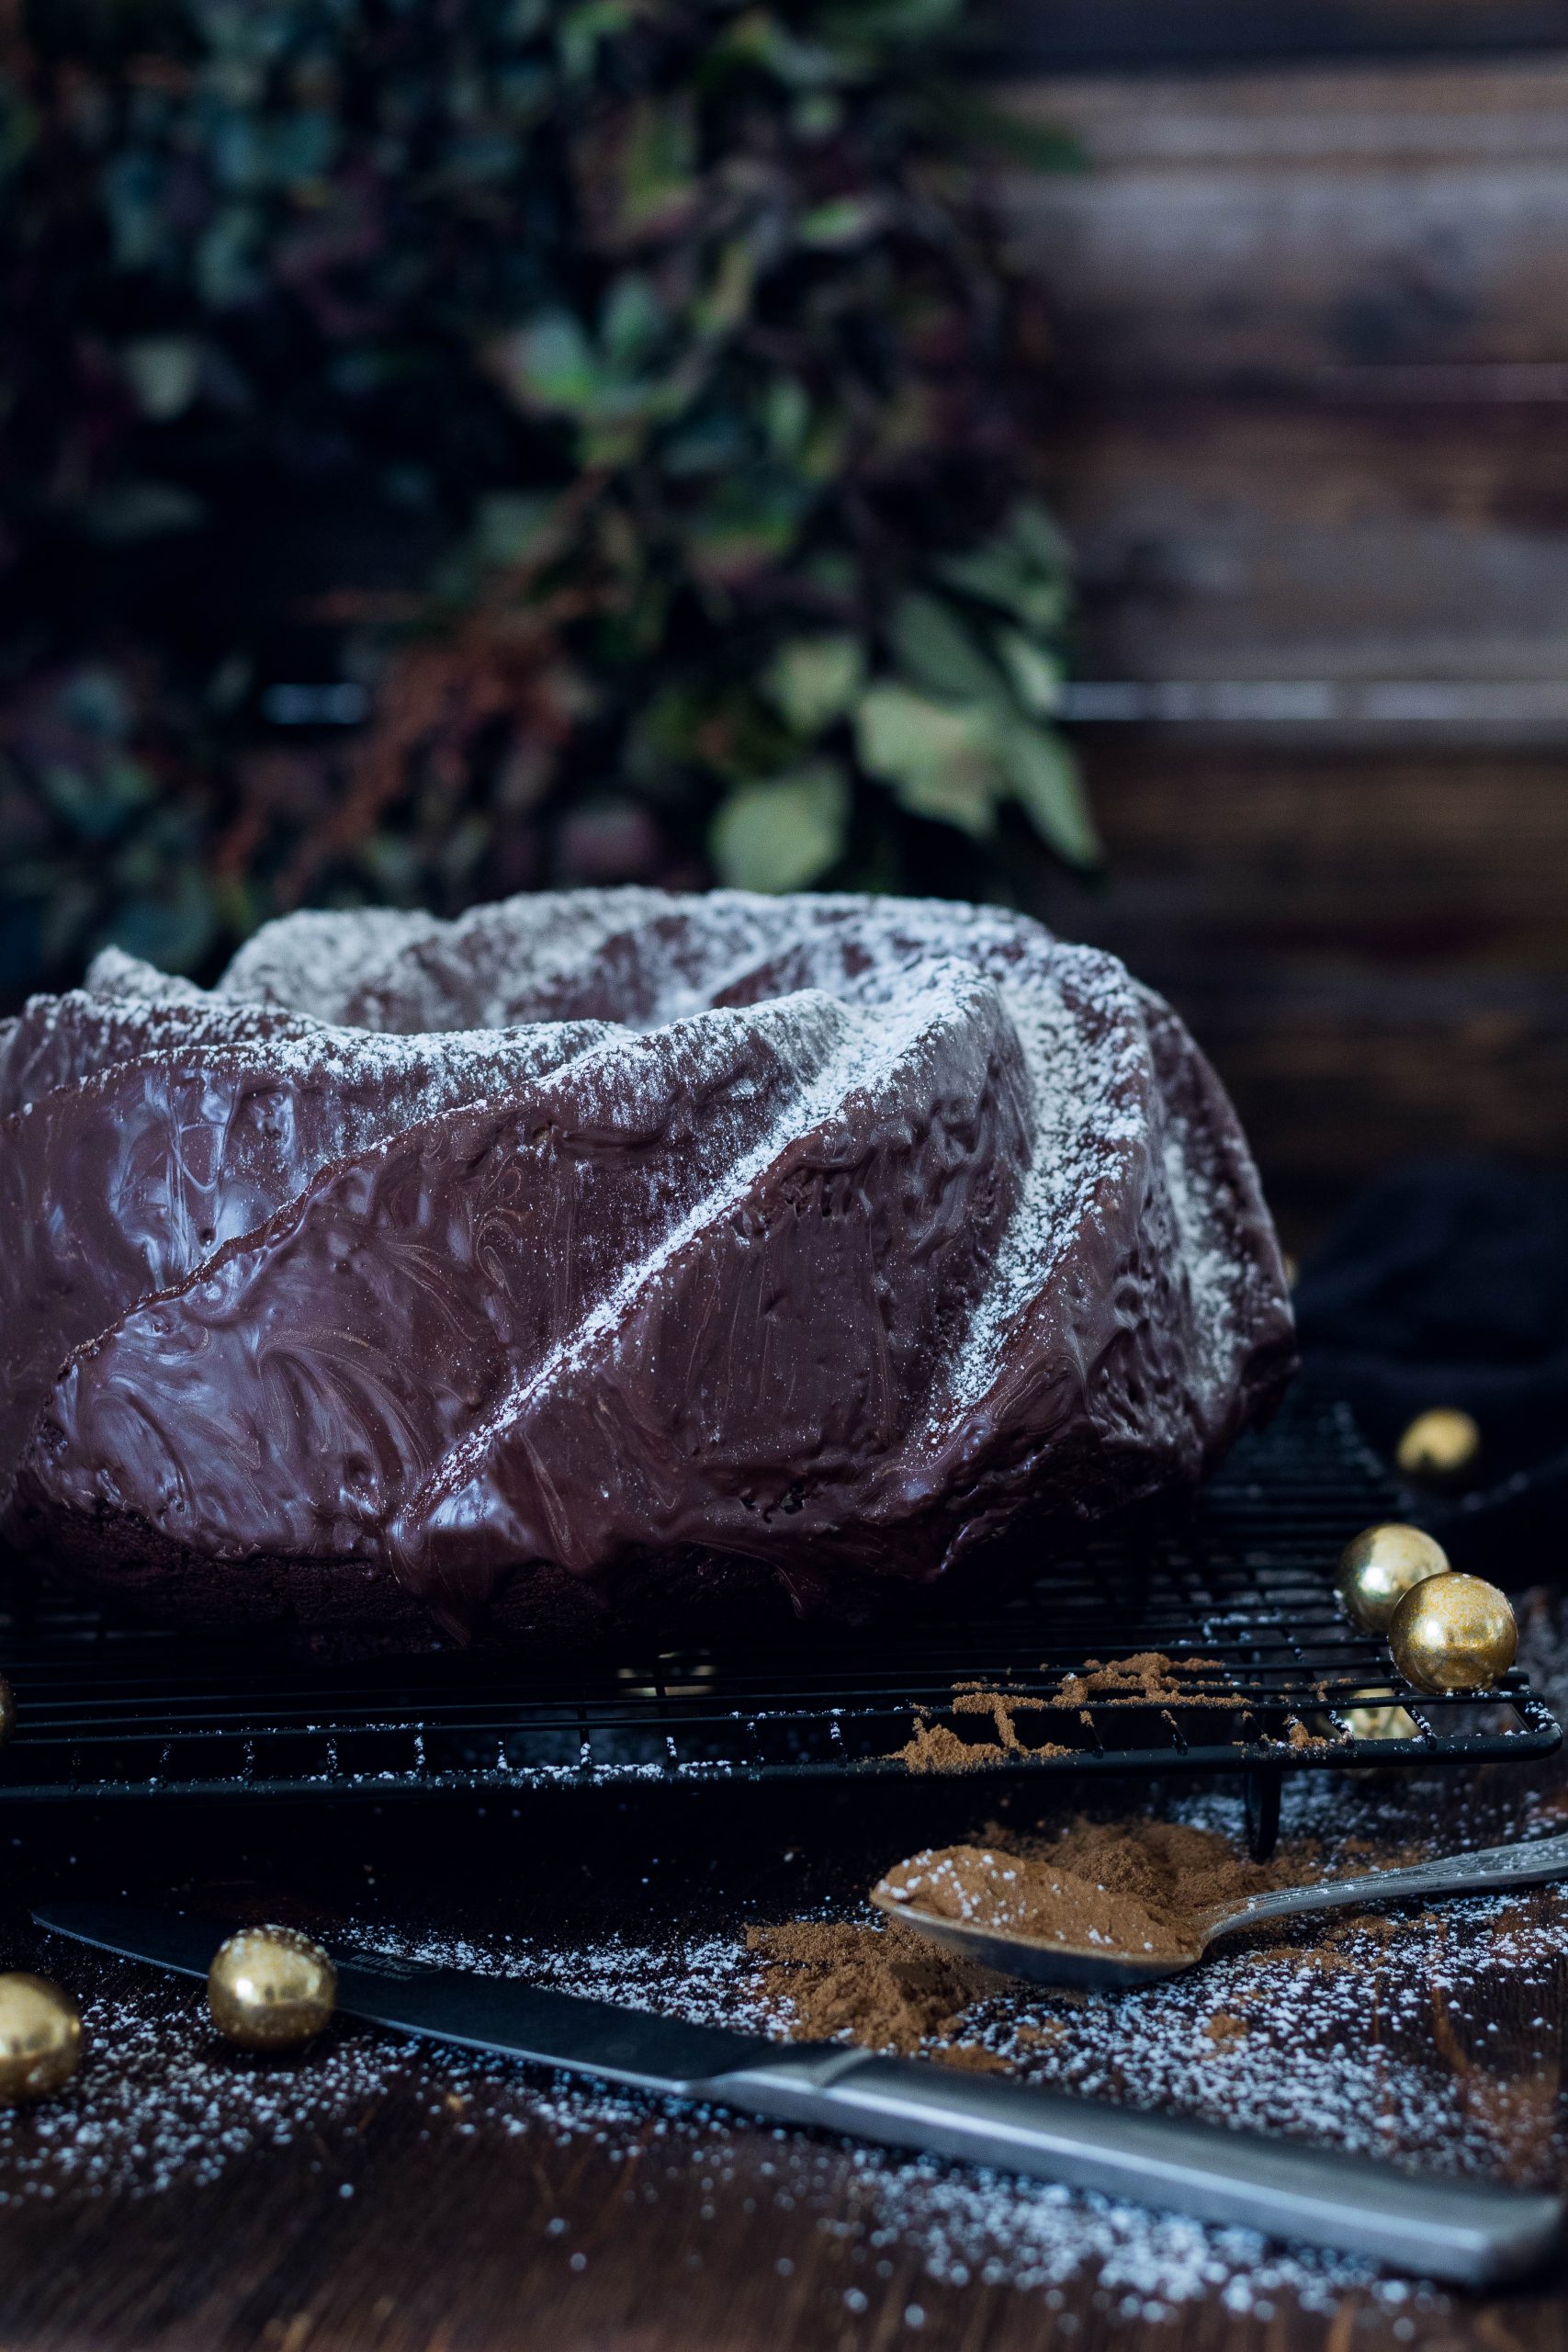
{"x": 499, "y": 1274}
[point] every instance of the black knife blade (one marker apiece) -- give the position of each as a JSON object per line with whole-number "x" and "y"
{"x": 506, "y": 2015}
{"x": 1427, "y": 2222}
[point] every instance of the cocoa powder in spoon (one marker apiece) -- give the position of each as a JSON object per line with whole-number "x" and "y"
{"x": 1142, "y": 1886}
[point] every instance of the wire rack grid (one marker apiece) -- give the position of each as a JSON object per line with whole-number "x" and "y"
{"x": 1211, "y": 1645}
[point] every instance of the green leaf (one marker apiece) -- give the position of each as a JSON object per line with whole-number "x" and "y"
{"x": 812, "y": 681}
{"x": 972, "y": 119}
{"x": 1045, "y": 779}
{"x": 744, "y": 527}
{"x": 580, "y": 31}
{"x": 632, "y": 319}
{"x": 817, "y": 114}
{"x": 937, "y": 651}
{"x": 657, "y": 162}
{"x": 897, "y": 23}
{"x": 507, "y": 523}
{"x": 727, "y": 298}
{"x": 786, "y": 414}
{"x": 940, "y": 762}
{"x": 1035, "y": 675}
{"x": 548, "y": 366}
{"x": 1037, "y": 537}
{"x": 758, "y": 39}
{"x": 1023, "y": 568}
{"x": 847, "y": 220}
{"x": 782, "y": 835}
{"x": 163, "y": 372}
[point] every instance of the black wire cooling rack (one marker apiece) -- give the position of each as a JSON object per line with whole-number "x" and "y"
{"x": 1263, "y": 1675}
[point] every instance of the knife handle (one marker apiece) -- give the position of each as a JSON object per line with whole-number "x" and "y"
{"x": 1426, "y": 2223}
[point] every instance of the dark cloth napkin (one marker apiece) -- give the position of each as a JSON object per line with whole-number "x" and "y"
{"x": 1447, "y": 1283}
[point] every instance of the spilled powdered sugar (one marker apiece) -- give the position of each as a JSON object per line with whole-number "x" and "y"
{"x": 174, "y": 2108}
{"x": 1368, "y": 2033}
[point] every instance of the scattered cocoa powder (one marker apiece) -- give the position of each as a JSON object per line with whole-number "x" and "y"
{"x": 975, "y": 2058}
{"x": 1146, "y": 1678}
{"x": 936, "y": 1748}
{"x": 886, "y": 1989}
{"x": 1300, "y": 1736}
{"x": 1139, "y": 1886}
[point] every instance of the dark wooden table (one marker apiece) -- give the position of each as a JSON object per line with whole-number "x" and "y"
{"x": 431, "y": 2201}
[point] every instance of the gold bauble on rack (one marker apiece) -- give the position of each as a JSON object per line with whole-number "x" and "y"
{"x": 40, "y": 2037}
{"x": 1379, "y": 1566}
{"x": 271, "y": 1988}
{"x": 1454, "y": 1633}
{"x": 1377, "y": 1715}
{"x": 1440, "y": 1446}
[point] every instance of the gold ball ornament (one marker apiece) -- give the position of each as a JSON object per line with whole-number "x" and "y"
{"x": 1377, "y": 1719}
{"x": 1454, "y": 1633}
{"x": 271, "y": 1988}
{"x": 40, "y": 2037}
{"x": 1439, "y": 1445}
{"x": 1379, "y": 1566}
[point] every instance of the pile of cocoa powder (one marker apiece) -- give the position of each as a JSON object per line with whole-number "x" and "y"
{"x": 1148, "y": 1677}
{"x": 1142, "y": 1886}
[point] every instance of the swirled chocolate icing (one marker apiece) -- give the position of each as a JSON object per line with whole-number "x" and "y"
{"x": 604, "y": 1252}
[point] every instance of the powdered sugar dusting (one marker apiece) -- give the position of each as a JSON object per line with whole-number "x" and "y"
{"x": 848, "y": 1056}
{"x": 1368, "y": 2033}
{"x": 1077, "y": 1018}
{"x": 1080, "y": 1075}
{"x": 1207, "y": 1261}
{"x": 319, "y": 962}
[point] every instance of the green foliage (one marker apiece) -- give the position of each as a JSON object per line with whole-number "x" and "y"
{"x": 617, "y": 399}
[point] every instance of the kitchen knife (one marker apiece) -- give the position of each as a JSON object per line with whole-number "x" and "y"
{"x": 1425, "y": 2222}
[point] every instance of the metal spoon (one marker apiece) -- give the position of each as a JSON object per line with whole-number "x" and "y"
{"x": 1102, "y": 1968}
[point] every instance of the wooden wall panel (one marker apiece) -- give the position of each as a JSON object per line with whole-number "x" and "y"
{"x": 1295, "y": 225}
{"x": 1226, "y": 539}
{"x": 1315, "y": 319}
{"x": 1103, "y": 34}
{"x": 1453, "y": 862}
{"x": 1373, "y": 952}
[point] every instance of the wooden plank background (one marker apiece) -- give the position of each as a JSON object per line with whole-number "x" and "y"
{"x": 1314, "y": 458}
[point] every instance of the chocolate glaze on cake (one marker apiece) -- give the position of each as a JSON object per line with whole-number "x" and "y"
{"x": 604, "y": 1253}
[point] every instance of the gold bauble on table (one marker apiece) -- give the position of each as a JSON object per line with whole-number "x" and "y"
{"x": 271, "y": 1988}
{"x": 1439, "y": 1445}
{"x": 1379, "y": 1566}
{"x": 1454, "y": 1633}
{"x": 40, "y": 2037}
